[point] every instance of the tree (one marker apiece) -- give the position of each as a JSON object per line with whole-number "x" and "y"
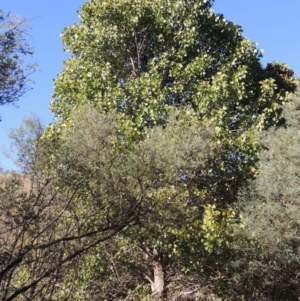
{"x": 14, "y": 75}
{"x": 145, "y": 62}
{"x": 143, "y": 59}
{"x": 172, "y": 241}
{"x": 266, "y": 263}
{"x": 45, "y": 228}
{"x": 140, "y": 58}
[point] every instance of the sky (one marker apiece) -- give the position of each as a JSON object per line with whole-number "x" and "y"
{"x": 273, "y": 24}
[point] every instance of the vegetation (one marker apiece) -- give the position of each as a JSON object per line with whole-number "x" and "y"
{"x": 270, "y": 209}
{"x": 13, "y": 47}
{"x": 43, "y": 229}
{"x": 171, "y": 173}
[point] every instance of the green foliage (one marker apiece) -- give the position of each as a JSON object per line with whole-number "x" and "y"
{"x": 26, "y": 146}
{"x": 215, "y": 224}
{"x": 158, "y": 178}
{"x": 141, "y": 60}
{"x": 45, "y": 227}
{"x": 268, "y": 245}
{"x": 158, "y": 112}
{"x": 138, "y": 58}
{"x": 13, "y": 47}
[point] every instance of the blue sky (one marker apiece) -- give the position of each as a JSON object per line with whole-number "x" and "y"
{"x": 274, "y": 24}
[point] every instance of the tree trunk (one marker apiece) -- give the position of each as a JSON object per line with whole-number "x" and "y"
{"x": 159, "y": 281}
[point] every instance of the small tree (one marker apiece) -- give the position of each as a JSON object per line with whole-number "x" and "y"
{"x": 267, "y": 266}
{"x": 46, "y": 228}
{"x": 14, "y": 75}
{"x": 171, "y": 250}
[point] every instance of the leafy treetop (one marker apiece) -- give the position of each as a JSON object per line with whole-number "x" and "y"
{"x": 142, "y": 58}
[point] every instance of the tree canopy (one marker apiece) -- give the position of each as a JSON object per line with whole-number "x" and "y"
{"x": 13, "y": 47}
{"x": 269, "y": 206}
{"x": 144, "y": 62}
{"x": 145, "y": 59}
{"x": 166, "y": 165}
{"x": 139, "y": 58}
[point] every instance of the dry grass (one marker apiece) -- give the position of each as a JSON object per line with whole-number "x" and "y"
{"x": 26, "y": 183}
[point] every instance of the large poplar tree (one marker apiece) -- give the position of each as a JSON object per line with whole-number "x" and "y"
{"x": 140, "y": 58}
{"x": 158, "y": 66}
